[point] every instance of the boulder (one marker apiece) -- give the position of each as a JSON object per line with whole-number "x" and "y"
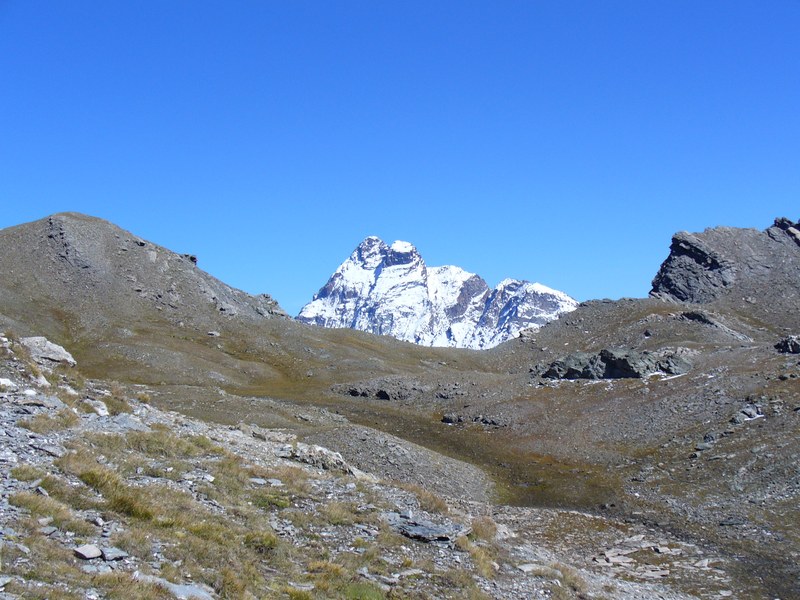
{"x": 98, "y": 406}
{"x": 423, "y": 530}
{"x": 46, "y": 353}
{"x": 88, "y": 552}
{"x": 314, "y": 455}
{"x": 113, "y": 554}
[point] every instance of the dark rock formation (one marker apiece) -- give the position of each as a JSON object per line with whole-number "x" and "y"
{"x": 789, "y": 345}
{"x": 791, "y": 229}
{"x": 423, "y": 530}
{"x": 384, "y": 388}
{"x": 617, "y": 363}
{"x": 579, "y": 365}
{"x": 752, "y": 271}
{"x": 694, "y": 270}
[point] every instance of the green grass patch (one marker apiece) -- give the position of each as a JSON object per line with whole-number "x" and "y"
{"x": 269, "y": 500}
{"x": 261, "y": 542}
{"x": 362, "y": 591}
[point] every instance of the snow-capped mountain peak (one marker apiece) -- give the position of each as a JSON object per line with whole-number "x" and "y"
{"x": 390, "y": 290}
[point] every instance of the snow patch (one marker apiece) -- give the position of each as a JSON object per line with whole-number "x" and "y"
{"x": 402, "y": 247}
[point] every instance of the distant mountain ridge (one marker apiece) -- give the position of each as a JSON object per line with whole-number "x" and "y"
{"x": 389, "y": 290}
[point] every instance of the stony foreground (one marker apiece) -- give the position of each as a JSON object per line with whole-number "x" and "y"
{"x": 104, "y": 496}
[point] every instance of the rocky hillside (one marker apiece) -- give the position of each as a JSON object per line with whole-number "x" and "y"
{"x": 106, "y": 496}
{"x": 132, "y": 310}
{"x": 91, "y": 264}
{"x": 389, "y": 290}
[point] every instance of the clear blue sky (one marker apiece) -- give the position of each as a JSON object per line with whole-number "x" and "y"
{"x": 562, "y": 142}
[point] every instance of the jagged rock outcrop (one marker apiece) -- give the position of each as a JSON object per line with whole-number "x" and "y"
{"x": 755, "y": 271}
{"x": 389, "y": 290}
{"x": 618, "y": 363}
{"x": 791, "y": 229}
{"x": 694, "y": 270}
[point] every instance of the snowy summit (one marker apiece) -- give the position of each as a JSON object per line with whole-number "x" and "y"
{"x": 389, "y": 290}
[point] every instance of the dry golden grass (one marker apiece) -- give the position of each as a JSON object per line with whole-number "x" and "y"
{"x": 227, "y": 553}
{"x": 295, "y": 594}
{"x": 46, "y": 561}
{"x": 295, "y": 480}
{"x": 326, "y": 568}
{"x": 116, "y": 405}
{"x": 231, "y": 476}
{"x": 270, "y": 499}
{"x": 428, "y": 501}
{"x": 119, "y": 496}
{"x": 573, "y": 585}
{"x": 122, "y": 586}
{"x": 362, "y": 590}
{"x": 340, "y": 513}
{"x": 71, "y": 377}
{"x": 335, "y": 580}
{"x": 484, "y": 528}
{"x": 43, "y": 506}
{"x": 235, "y": 552}
{"x": 461, "y": 579}
{"x": 46, "y": 423}
{"x": 137, "y": 542}
{"x": 27, "y": 473}
{"x": 41, "y": 592}
{"x": 158, "y": 443}
{"x": 76, "y": 497}
{"x": 483, "y": 556}
{"x": 262, "y": 542}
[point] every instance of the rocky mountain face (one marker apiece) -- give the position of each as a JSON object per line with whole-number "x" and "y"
{"x": 757, "y": 271}
{"x": 389, "y": 290}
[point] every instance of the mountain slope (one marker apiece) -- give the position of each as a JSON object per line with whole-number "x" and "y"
{"x": 132, "y": 310}
{"x": 389, "y": 290}
{"x": 86, "y": 262}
